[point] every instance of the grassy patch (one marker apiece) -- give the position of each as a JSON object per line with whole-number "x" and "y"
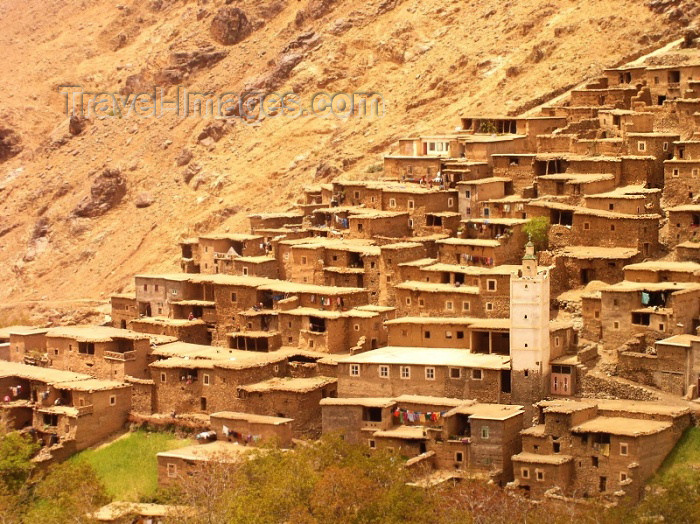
{"x": 684, "y": 459}
{"x": 128, "y": 467}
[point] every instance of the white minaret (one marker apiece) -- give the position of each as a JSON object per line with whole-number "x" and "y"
{"x": 529, "y": 317}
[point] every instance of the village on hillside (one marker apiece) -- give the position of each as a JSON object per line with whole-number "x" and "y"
{"x": 516, "y": 301}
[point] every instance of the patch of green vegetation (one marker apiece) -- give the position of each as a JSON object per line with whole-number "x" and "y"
{"x": 128, "y": 467}
{"x": 684, "y": 460}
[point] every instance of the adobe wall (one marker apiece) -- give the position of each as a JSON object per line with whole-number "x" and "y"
{"x": 123, "y": 311}
{"x": 105, "y": 419}
{"x": 142, "y": 395}
{"x": 369, "y": 383}
{"x": 413, "y": 168}
{"x": 681, "y": 229}
{"x": 681, "y": 182}
{"x": 388, "y": 270}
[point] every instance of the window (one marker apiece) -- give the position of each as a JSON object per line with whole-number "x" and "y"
{"x": 429, "y": 373}
{"x": 162, "y": 378}
{"x": 624, "y": 448}
{"x": 173, "y": 291}
{"x": 676, "y": 173}
{"x": 448, "y": 334}
{"x": 525, "y": 473}
{"x": 421, "y": 302}
{"x": 539, "y": 475}
{"x": 460, "y": 335}
{"x": 489, "y": 306}
{"x": 455, "y": 372}
{"x": 384, "y": 371}
{"x": 491, "y": 285}
{"x": 234, "y": 297}
{"x": 695, "y": 172}
{"x": 356, "y": 327}
{"x": 623, "y": 476}
{"x": 450, "y": 202}
{"x": 245, "y": 271}
{"x": 86, "y": 348}
{"x": 112, "y": 400}
{"x": 405, "y": 372}
{"x": 356, "y": 194}
{"x": 449, "y": 305}
{"x": 556, "y": 341}
{"x": 408, "y": 301}
{"x": 586, "y": 226}
{"x": 411, "y": 204}
{"x": 484, "y": 432}
{"x": 303, "y": 260}
{"x": 354, "y": 370}
{"x": 145, "y": 287}
{"x": 426, "y": 334}
{"x": 665, "y": 146}
{"x": 466, "y": 306}
{"x": 372, "y": 444}
{"x": 594, "y": 462}
{"x": 616, "y": 325}
{"x": 392, "y": 202}
{"x": 556, "y": 447}
{"x": 459, "y": 456}
{"x": 641, "y": 146}
{"x": 612, "y": 227}
{"x": 477, "y": 374}
{"x": 205, "y": 380}
{"x": 172, "y": 470}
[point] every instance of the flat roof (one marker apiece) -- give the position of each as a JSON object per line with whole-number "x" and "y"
{"x": 487, "y": 411}
{"x": 219, "y": 451}
{"x": 230, "y": 236}
{"x": 679, "y": 340}
{"x": 18, "y": 330}
{"x": 368, "y": 402}
{"x": 689, "y": 208}
{"x": 117, "y": 510}
{"x": 433, "y": 287}
{"x": 294, "y": 385}
{"x": 330, "y": 315}
{"x": 481, "y": 181}
{"x": 590, "y": 252}
{"x": 626, "y": 285}
{"x": 251, "y": 418}
{"x": 533, "y": 458}
{"x": 95, "y": 333}
{"x": 403, "y": 432}
{"x": 429, "y": 356}
{"x": 475, "y": 242}
{"x": 54, "y": 377}
{"x": 624, "y": 426}
{"x": 665, "y": 265}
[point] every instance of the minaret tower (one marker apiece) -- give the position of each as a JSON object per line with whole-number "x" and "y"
{"x": 529, "y": 330}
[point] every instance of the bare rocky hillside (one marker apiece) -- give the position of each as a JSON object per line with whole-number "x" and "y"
{"x": 86, "y": 204}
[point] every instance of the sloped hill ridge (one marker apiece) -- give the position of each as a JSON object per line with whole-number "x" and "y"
{"x": 431, "y": 62}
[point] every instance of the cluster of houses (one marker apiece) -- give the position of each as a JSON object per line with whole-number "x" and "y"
{"x": 412, "y": 314}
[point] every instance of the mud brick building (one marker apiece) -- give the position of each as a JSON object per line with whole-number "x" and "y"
{"x": 673, "y": 366}
{"x": 289, "y": 397}
{"x": 627, "y": 308}
{"x": 663, "y": 271}
{"x": 65, "y": 411}
{"x": 448, "y": 372}
{"x": 181, "y": 465}
{"x": 596, "y": 448}
{"x": 239, "y": 427}
{"x": 124, "y": 309}
{"x": 683, "y": 224}
{"x": 578, "y": 265}
{"x": 448, "y": 434}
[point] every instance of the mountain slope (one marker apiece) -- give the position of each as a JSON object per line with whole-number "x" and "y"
{"x": 431, "y": 61}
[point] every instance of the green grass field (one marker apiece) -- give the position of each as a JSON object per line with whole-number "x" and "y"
{"x": 128, "y": 466}
{"x": 684, "y": 458}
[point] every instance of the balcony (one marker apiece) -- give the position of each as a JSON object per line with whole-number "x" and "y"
{"x": 85, "y": 410}
{"x": 127, "y": 356}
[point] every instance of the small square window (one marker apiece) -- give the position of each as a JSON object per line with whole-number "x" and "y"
{"x": 525, "y": 473}
{"x": 384, "y": 371}
{"x": 426, "y": 334}
{"x": 448, "y": 334}
{"x": 491, "y": 285}
{"x": 489, "y": 306}
{"x": 466, "y": 306}
{"x": 642, "y": 146}
{"x": 429, "y": 373}
{"x": 477, "y": 374}
{"x": 449, "y": 305}
{"x": 485, "y": 432}
{"x": 586, "y": 226}
{"x": 408, "y": 301}
{"x": 539, "y": 474}
{"x": 405, "y": 372}
{"x": 623, "y": 476}
{"x": 113, "y": 400}
{"x": 205, "y": 380}
{"x": 616, "y": 325}
{"x": 392, "y": 202}
{"x": 354, "y": 370}
{"x": 460, "y": 335}
{"x": 624, "y": 448}
{"x": 172, "y": 470}
{"x": 459, "y": 456}
{"x": 455, "y": 373}
{"x": 450, "y": 202}
{"x": 372, "y": 444}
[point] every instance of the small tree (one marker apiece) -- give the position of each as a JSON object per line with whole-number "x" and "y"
{"x": 537, "y": 229}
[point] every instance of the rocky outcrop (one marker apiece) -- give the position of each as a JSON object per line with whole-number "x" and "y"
{"x": 10, "y": 143}
{"x": 76, "y": 124}
{"x": 230, "y": 25}
{"x": 107, "y": 191}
